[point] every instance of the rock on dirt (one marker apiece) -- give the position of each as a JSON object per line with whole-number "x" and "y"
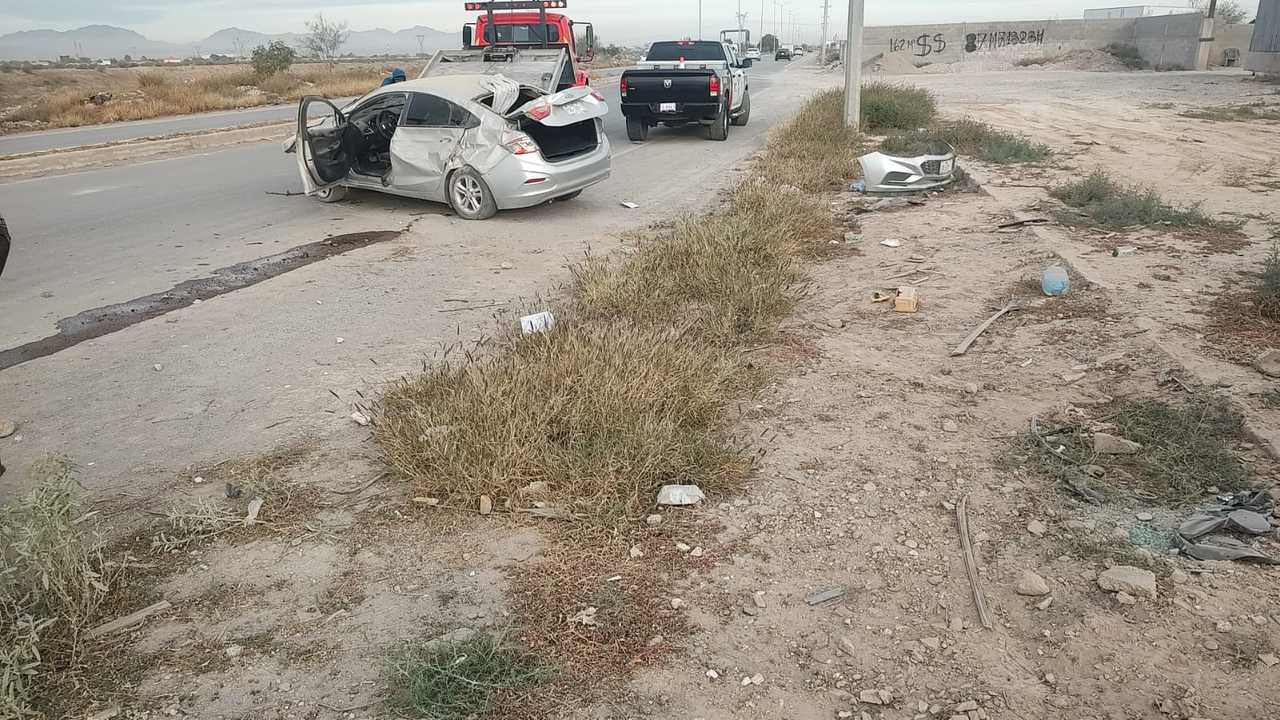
{"x": 824, "y": 595}
{"x": 1037, "y": 528}
{"x": 876, "y": 697}
{"x": 1128, "y": 579}
{"x": 1105, "y": 444}
{"x": 1268, "y": 362}
{"x": 653, "y": 520}
{"x": 1032, "y": 585}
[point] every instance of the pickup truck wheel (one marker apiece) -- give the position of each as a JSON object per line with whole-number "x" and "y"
{"x": 719, "y": 128}
{"x": 744, "y": 114}
{"x": 332, "y": 194}
{"x": 637, "y": 129}
{"x": 470, "y": 196}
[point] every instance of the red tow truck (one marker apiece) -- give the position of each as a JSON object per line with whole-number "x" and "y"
{"x": 527, "y": 24}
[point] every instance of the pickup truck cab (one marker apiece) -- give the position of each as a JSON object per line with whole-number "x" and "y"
{"x": 681, "y": 82}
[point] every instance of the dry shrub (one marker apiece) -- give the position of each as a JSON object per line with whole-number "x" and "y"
{"x": 1266, "y": 289}
{"x": 605, "y": 416}
{"x": 889, "y": 106}
{"x": 1102, "y": 200}
{"x": 53, "y": 584}
{"x": 815, "y": 151}
{"x": 727, "y": 277}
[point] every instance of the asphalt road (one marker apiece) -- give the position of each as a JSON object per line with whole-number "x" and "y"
{"x": 94, "y": 238}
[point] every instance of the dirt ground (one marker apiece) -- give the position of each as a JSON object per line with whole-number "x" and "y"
{"x": 870, "y": 437}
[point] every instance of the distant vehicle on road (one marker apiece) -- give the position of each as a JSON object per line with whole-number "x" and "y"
{"x": 798, "y": 51}
{"x": 753, "y": 53}
{"x": 477, "y": 134}
{"x": 533, "y": 28}
{"x": 782, "y": 53}
{"x": 684, "y": 82}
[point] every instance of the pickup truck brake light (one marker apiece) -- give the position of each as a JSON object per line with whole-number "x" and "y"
{"x": 713, "y": 85}
{"x": 622, "y": 86}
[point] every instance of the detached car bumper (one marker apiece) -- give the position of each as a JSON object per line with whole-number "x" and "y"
{"x": 889, "y": 174}
{"x": 521, "y": 181}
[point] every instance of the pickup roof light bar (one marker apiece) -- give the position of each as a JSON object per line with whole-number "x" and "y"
{"x": 517, "y": 5}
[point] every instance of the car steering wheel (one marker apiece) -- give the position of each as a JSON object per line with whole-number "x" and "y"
{"x": 386, "y": 122}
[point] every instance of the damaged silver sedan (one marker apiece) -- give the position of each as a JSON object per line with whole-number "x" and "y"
{"x": 479, "y": 142}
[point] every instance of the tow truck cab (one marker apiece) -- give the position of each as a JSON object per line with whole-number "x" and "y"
{"x": 526, "y": 23}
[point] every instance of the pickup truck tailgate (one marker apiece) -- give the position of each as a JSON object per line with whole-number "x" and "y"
{"x": 669, "y": 86}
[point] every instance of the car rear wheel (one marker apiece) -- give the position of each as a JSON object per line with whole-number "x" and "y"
{"x": 470, "y": 197}
{"x": 719, "y": 128}
{"x": 333, "y": 193}
{"x": 744, "y": 113}
{"x": 637, "y": 129}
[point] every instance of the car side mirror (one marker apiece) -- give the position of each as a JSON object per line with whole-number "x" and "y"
{"x": 466, "y": 36}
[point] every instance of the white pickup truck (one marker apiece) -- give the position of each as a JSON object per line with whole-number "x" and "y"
{"x": 683, "y": 82}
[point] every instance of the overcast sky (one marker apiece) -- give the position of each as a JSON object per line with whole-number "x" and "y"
{"x": 623, "y": 21}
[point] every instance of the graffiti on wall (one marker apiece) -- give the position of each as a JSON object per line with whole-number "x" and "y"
{"x": 922, "y": 46}
{"x": 978, "y": 42}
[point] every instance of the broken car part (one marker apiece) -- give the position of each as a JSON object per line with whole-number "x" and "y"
{"x": 935, "y": 168}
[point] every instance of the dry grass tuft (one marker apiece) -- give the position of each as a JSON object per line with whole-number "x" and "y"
{"x": 53, "y": 586}
{"x": 889, "y": 106}
{"x": 460, "y": 680}
{"x": 605, "y": 416}
{"x": 815, "y": 152}
{"x": 1103, "y": 201}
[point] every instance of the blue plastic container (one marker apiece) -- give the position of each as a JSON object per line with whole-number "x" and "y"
{"x": 1055, "y": 281}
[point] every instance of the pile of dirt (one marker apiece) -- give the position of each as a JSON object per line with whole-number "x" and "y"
{"x": 1088, "y": 60}
{"x": 895, "y": 64}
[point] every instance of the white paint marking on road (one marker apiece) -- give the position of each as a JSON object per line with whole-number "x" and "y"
{"x": 91, "y": 191}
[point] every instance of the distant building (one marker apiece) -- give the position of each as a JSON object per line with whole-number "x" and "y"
{"x": 1136, "y": 11}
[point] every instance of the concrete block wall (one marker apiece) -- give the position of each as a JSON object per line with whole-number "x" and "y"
{"x": 1173, "y": 41}
{"x": 1004, "y": 41}
{"x": 1230, "y": 36}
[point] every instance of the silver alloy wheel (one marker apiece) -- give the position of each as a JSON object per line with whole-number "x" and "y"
{"x": 468, "y": 196}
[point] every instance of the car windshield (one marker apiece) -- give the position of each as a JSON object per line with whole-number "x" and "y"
{"x": 522, "y": 33}
{"x": 687, "y": 50}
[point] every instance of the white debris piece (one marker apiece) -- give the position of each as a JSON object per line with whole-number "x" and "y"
{"x": 680, "y": 495}
{"x": 536, "y": 323}
{"x": 361, "y": 419}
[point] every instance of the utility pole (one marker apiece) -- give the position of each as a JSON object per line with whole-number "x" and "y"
{"x": 421, "y": 48}
{"x": 853, "y": 65}
{"x": 760, "y": 42}
{"x": 699, "y": 19}
{"x": 822, "y": 47}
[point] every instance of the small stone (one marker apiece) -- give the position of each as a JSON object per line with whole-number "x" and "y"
{"x": 1032, "y": 585}
{"x": 950, "y": 426}
{"x": 1125, "y": 598}
{"x": 1179, "y": 577}
{"x": 965, "y": 706}
{"x": 696, "y": 552}
{"x": 653, "y": 520}
{"x": 1037, "y": 528}
{"x": 680, "y": 495}
{"x": 933, "y": 643}
{"x": 682, "y": 547}
{"x": 1105, "y": 444}
{"x": 758, "y": 599}
{"x": 1050, "y": 678}
{"x": 197, "y": 480}
{"x": 824, "y": 595}
{"x": 713, "y": 674}
{"x": 157, "y": 367}
{"x": 1268, "y": 363}
{"x": 428, "y": 501}
{"x": 835, "y": 323}
{"x": 750, "y": 610}
{"x": 757, "y": 679}
{"x": 936, "y": 580}
{"x": 871, "y": 697}
{"x": 848, "y": 647}
{"x": 1269, "y": 660}
{"x": 844, "y": 714}
{"x": 361, "y": 419}
{"x": 1093, "y": 471}
{"x": 1224, "y": 626}
{"x": 1126, "y": 578}
{"x": 746, "y": 681}
{"x": 635, "y": 552}
{"x": 1045, "y": 604}
{"x": 506, "y": 266}
{"x": 233, "y": 651}
{"x": 1211, "y": 645}
{"x": 655, "y": 641}
{"x": 676, "y": 603}
{"x": 1145, "y": 516}
{"x": 971, "y": 389}
{"x": 340, "y": 340}
{"x": 486, "y": 505}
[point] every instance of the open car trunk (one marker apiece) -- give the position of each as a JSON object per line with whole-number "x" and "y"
{"x": 562, "y": 143}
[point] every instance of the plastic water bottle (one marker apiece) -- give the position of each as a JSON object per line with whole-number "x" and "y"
{"x": 1055, "y": 281}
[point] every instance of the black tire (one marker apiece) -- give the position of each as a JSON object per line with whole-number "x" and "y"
{"x": 568, "y": 196}
{"x": 719, "y": 128}
{"x": 469, "y": 195}
{"x": 637, "y": 129}
{"x": 744, "y": 114}
{"x": 332, "y": 194}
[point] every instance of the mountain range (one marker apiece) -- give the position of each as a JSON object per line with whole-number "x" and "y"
{"x": 106, "y": 41}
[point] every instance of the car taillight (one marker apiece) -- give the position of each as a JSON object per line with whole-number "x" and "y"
{"x": 518, "y": 143}
{"x": 540, "y": 111}
{"x": 622, "y": 87}
{"x": 713, "y": 86}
